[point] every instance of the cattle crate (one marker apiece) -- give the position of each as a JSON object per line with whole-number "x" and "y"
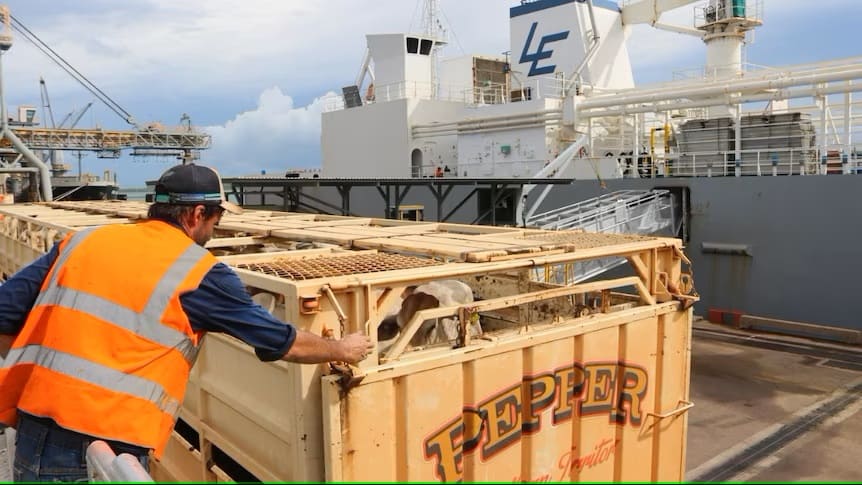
{"x": 536, "y": 378}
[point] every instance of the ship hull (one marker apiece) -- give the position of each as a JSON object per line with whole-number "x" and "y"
{"x": 88, "y": 192}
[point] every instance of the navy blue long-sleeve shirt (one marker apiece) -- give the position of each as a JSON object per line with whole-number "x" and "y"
{"x": 219, "y": 304}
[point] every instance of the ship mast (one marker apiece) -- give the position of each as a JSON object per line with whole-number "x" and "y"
{"x": 433, "y": 28}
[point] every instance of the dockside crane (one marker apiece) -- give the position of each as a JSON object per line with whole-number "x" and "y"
{"x": 8, "y": 134}
{"x": 142, "y": 138}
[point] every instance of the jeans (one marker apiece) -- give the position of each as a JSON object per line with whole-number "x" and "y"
{"x": 45, "y": 452}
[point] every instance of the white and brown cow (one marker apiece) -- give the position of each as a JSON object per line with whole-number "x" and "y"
{"x": 433, "y": 294}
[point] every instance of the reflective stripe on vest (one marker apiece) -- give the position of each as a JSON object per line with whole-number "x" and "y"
{"x": 96, "y": 374}
{"x": 141, "y": 323}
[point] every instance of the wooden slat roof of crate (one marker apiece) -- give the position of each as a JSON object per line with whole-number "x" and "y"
{"x": 453, "y": 242}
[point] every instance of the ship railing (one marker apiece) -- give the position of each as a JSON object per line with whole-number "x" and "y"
{"x": 490, "y": 168}
{"x": 587, "y": 167}
{"x": 536, "y": 87}
{"x": 405, "y": 90}
{"x": 521, "y": 89}
{"x": 769, "y": 162}
{"x": 606, "y": 213}
{"x": 716, "y": 72}
{"x": 718, "y": 10}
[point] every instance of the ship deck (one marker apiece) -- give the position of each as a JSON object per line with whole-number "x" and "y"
{"x": 767, "y": 408}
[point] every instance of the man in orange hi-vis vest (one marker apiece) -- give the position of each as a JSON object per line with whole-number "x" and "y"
{"x": 106, "y": 327}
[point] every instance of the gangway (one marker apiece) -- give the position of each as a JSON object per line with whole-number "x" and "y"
{"x": 644, "y": 212}
{"x": 622, "y": 211}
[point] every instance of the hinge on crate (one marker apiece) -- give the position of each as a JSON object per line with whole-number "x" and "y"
{"x": 685, "y": 291}
{"x": 347, "y": 376}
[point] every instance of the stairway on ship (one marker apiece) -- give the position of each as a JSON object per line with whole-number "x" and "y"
{"x": 643, "y": 212}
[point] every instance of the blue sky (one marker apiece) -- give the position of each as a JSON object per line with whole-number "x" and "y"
{"x": 253, "y": 72}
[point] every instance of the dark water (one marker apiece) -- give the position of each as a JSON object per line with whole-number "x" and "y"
{"x": 134, "y": 193}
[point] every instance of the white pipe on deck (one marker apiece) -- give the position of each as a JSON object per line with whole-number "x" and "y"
{"x": 717, "y": 89}
{"x": 764, "y": 96}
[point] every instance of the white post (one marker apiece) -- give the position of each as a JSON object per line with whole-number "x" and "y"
{"x": 622, "y": 132}
{"x": 848, "y": 129}
{"x": 824, "y": 111}
{"x": 636, "y": 130}
{"x": 737, "y": 135}
{"x": 801, "y": 164}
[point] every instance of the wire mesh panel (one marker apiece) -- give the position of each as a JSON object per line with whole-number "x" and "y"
{"x": 327, "y": 267}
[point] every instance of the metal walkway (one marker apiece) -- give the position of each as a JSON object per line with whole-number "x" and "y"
{"x": 623, "y": 211}
{"x": 646, "y": 212}
{"x": 299, "y": 194}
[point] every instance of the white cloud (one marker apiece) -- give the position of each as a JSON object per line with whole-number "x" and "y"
{"x": 269, "y": 137}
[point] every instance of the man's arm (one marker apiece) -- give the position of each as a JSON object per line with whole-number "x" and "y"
{"x": 19, "y": 293}
{"x": 222, "y": 304}
{"x": 308, "y": 348}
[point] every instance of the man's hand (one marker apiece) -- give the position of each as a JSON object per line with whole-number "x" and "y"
{"x": 309, "y": 348}
{"x": 355, "y": 347}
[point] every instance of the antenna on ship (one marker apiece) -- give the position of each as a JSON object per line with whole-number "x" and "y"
{"x": 433, "y": 28}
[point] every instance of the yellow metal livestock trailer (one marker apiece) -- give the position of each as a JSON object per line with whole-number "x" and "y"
{"x": 566, "y": 381}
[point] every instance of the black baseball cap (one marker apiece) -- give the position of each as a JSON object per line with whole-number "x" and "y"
{"x": 193, "y": 185}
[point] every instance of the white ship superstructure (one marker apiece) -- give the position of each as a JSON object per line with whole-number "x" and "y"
{"x": 567, "y": 79}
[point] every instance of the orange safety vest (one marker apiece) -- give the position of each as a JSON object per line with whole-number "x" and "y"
{"x": 107, "y": 348}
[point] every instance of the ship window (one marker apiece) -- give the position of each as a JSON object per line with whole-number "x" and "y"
{"x": 425, "y": 48}
{"x": 412, "y": 45}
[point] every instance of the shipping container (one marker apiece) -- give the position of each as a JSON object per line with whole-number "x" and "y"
{"x": 529, "y": 378}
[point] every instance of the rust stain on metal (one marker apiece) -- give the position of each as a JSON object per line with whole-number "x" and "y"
{"x": 583, "y": 240}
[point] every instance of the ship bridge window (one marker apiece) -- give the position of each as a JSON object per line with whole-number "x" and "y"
{"x": 425, "y": 47}
{"x": 412, "y": 45}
